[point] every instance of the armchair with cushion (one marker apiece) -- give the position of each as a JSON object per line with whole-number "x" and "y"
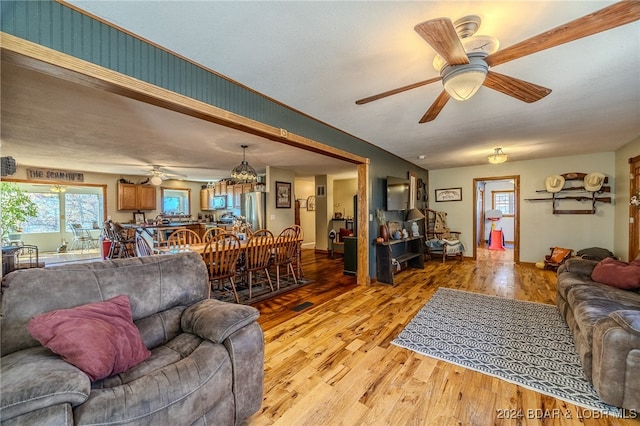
{"x": 127, "y": 341}
{"x": 441, "y": 241}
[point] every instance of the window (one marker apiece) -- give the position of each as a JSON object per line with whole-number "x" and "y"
{"x": 503, "y": 201}
{"x": 84, "y": 209}
{"x": 74, "y": 204}
{"x": 48, "y": 218}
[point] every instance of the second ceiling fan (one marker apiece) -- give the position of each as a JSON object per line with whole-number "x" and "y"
{"x": 464, "y": 59}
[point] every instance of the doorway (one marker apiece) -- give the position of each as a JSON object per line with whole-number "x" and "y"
{"x": 497, "y": 193}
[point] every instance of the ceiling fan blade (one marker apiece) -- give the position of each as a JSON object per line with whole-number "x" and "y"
{"x": 442, "y": 36}
{"x": 435, "y": 107}
{"x": 617, "y": 14}
{"x": 396, "y": 91}
{"x": 519, "y": 89}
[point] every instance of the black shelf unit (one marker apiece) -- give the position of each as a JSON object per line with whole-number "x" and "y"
{"x": 407, "y": 252}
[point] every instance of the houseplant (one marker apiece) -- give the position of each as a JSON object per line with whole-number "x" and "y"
{"x": 16, "y": 207}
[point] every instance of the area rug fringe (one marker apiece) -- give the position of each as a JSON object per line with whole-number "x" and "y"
{"x": 521, "y": 342}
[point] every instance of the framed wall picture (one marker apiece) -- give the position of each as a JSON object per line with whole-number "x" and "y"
{"x": 303, "y": 203}
{"x": 449, "y": 194}
{"x": 283, "y": 195}
{"x": 321, "y": 191}
{"x": 138, "y": 217}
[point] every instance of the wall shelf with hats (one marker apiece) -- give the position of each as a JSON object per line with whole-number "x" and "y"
{"x": 580, "y": 187}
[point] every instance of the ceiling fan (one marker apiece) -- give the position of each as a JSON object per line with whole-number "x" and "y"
{"x": 464, "y": 59}
{"x": 158, "y": 174}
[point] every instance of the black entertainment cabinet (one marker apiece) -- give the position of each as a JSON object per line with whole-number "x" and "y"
{"x": 407, "y": 252}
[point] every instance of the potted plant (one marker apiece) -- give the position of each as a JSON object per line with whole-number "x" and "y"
{"x": 16, "y": 207}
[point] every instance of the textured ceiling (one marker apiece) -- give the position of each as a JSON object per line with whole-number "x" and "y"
{"x": 319, "y": 57}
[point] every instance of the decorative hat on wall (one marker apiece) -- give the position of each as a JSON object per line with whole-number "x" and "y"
{"x": 593, "y": 181}
{"x": 554, "y": 183}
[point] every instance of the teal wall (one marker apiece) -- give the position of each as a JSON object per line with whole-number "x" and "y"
{"x": 63, "y": 29}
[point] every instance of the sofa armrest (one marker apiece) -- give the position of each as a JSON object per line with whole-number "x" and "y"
{"x": 36, "y": 378}
{"x": 215, "y": 320}
{"x": 578, "y": 265}
{"x": 628, "y": 319}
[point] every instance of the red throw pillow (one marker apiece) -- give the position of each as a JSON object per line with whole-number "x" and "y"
{"x": 617, "y": 273}
{"x": 98, "y": 338}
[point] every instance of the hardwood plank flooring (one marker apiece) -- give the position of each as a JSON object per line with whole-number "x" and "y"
{"x": 332, "y": 363}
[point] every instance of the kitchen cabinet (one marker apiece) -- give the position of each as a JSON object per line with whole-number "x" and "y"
{"x": 206, "y": 195}
{"x": 237, "y": 191}
{"x": 136, "y": 197}
{"x": 221, "y": 188}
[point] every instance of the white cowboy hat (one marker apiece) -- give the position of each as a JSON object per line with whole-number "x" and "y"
{"x": 554, "y": 183}
{"x": 593, "y": 181}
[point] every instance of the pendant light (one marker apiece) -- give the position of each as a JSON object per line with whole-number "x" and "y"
{"x": 244, "y": 172}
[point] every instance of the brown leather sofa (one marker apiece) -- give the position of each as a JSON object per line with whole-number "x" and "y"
{"x": 605, "y": 322}
{"x": 207, "y": 357}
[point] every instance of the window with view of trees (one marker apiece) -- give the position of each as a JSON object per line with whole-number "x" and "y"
{"x": 79, "y": 205}
{"x": 503, "y": 201}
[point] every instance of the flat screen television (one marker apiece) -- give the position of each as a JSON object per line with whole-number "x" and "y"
{"x": 397, "y": 193}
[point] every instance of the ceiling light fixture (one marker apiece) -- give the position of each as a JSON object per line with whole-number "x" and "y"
{"x": 463, "y": 81}
{"x": 243, "y": 172}
{"x": 58, "y": 188}
{"x": 498, "y": 156}
{"x": 155, "y": 180}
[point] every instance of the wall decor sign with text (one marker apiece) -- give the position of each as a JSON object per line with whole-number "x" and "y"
{"x": 449, "y": 194}
{"x": 53, "y": 174}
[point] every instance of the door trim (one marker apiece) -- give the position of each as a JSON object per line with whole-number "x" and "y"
{"x": 516, "y": 218}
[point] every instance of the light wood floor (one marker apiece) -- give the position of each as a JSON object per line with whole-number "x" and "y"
{"x": 333, "y": 364}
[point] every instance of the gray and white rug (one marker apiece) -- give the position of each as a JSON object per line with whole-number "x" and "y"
{"x": 524, "y": 343}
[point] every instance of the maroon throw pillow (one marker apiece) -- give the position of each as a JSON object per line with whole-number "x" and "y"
{"x": 617, "y": 273}
{"x": 98, "y": 338}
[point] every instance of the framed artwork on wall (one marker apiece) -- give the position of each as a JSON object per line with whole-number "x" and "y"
{"x": 283, "y": 195}
{"x": 449, "y": 194}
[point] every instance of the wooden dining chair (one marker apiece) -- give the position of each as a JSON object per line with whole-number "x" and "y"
{"x": 258, "y": 253}
{"x": 221, "y": 256}
{"x": 182, "y": 237}
{"x": 142, "y": 246}
{"x": 284, "y": 252}
{"x": 212, "y": 232}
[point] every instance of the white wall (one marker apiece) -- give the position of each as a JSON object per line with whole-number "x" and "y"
{"x": 622, "y": 192}
{"x": 539, "y": 227}
{"x": 304, "y": 189}
{"x": 279, "y": 218}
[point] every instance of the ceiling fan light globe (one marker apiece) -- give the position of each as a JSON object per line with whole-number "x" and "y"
{"x": 155, "y": 180}
{"x": 464, "y": 85}
{"x": 462, "y": 81}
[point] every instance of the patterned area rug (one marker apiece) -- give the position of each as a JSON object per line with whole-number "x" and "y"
{"x": 524, "y": 343}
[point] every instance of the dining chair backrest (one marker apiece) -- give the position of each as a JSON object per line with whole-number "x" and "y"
{"x": 258, "y": 251}
{"x": 142, "y": 246}
{"x": 285, "y": 246}
{"x": 261, "y": 233}
{"x": 181, "y": 237}
{"x": 211, "y": 232}
{"x": 221, "y": 255}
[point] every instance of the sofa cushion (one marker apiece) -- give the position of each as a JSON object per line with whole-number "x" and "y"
{"x": 617, "y": 273}
{"x": 98, "y": 338}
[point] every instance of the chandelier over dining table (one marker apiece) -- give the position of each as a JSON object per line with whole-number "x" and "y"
{"x": 243, "y": 172}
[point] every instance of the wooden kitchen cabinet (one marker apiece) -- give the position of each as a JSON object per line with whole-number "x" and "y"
{"x": 136, "y": 197}
{"x": 237, "y": 191}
